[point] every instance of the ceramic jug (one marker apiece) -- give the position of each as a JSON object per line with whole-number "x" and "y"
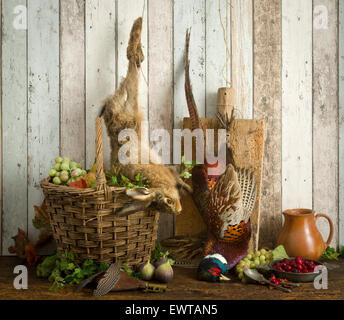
{"x": 300, "y": 235}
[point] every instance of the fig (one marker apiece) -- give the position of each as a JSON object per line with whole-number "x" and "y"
{"x": 147, "y": 271}
{"x": 160, "y": 262}
{"x": 164, "y": 273}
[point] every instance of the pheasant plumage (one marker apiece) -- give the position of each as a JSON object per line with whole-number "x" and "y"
{"x": 212, "y": 269}
{"x": 225, "y": 201}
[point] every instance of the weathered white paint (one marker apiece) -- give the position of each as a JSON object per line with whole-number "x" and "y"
{"x": 164, "y": 40}
{"x": 128, "y": 11}
{"x": 325, "y": 114}
{"x": 341, "y": 122}
{"x": 72, "y": 79}
{"x": 216, "y": 51}
{"x": 100, "y": 69}
{"x": 14, "y": 129}
{"x": 189, "y": 14}
{"x": 296, "y": 104}
{"x": 0, "y": 130}
{"x": 43, "y": 98}
{"x": 161, "y": 81}
{"x": 242, "y": 56}
{"x": 267, "y": 106}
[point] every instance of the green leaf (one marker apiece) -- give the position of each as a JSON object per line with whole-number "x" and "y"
{"x": 330, "y": 254}
{"x": 70, "y": 255}
{"x": 185, "y": 175}
{"x": 279, "y": 253}
{"x": 103, "y": 267}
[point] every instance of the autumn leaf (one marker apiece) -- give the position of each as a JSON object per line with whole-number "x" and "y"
{"x": 30, "y": 254}
{"x": 43, "y": 238}
{"x": 23, "y": 248}
{"x": 41, "y": 220}
{"x": 20, "y": 242}
{"x": 81, "y": 183}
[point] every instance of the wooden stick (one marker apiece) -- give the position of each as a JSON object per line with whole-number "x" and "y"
{"x": 225, "y": 101}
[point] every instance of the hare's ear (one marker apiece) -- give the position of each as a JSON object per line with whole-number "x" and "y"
{"x": 183, "y": 186}
{"x": 142, "y": 199}
{"x": 140, "y": 194}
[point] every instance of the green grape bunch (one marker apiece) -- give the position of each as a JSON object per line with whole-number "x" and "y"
{"x": 65, "y": 171}
{"x": 252, "y": 260}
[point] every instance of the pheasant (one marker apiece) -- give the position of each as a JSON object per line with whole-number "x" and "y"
{"x": 225, "y": 201}
{"x": 212, "y": 269}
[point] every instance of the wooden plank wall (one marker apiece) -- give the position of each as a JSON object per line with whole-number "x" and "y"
{"x": 160, "y": 75}
{"x": 341, "y": 122}
{"x": 56, "y": 72}
{"x": 14, "y": 122}
{"x": 267, "y": 105}
{"x": 325, "y": 111}
{"x": 296, "y": 104}
{"x": 43, "y": 98}
{"x": 0, "y": 130}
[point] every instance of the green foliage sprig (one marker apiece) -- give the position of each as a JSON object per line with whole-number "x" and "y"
{"x": 117, "y": 179}
{"x": 187, "y": 168}
{"x": 159, "y": 253}
{"x": 331, "y": 254}
{"x": 62, "y": 270}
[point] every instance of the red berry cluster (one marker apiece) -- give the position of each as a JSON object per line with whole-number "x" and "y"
{"x": 275, "y": 280}
{"x": 297, "y": 265}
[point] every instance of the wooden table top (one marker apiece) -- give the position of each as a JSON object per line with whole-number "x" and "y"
{"x": 184, "y": 286}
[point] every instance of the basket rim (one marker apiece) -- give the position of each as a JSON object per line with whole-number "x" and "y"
{"x": 45, "y": 183}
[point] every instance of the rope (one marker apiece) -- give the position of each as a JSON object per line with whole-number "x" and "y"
{"x": 225, "y": 38}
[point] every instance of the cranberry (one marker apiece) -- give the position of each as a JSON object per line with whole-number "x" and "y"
{"x": 298, "y": 260}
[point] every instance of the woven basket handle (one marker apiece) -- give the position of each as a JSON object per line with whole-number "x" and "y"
{"x": 101, "y": 180}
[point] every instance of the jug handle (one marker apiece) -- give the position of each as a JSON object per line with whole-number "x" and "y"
{"x": 331, "y": 226}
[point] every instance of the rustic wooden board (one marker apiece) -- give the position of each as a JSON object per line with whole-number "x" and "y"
{"x": 325, "y": 115}
{"x": 296, "y": 104}
{"x": 128, "y": 11}
{"x": 341, "y": 122}
{"x": 267, "y": 106}
{"x": 242, "y": 56}
{"x": 72, "y": 79}
{"x": 160, "y": 76}
{"x": 188, "y": 14}
{"x": 43, "y": 98}
{"x": 100, "y": 29}
{"x": 185, "y": 286}
{"x": 247, "y": 144}
{"x": 14, "y": 125}
{"x": 0, "y": 130}
{"x": 216, "y": 52}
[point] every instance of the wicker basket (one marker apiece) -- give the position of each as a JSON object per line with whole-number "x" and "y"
{"x": 84, "y": 220}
